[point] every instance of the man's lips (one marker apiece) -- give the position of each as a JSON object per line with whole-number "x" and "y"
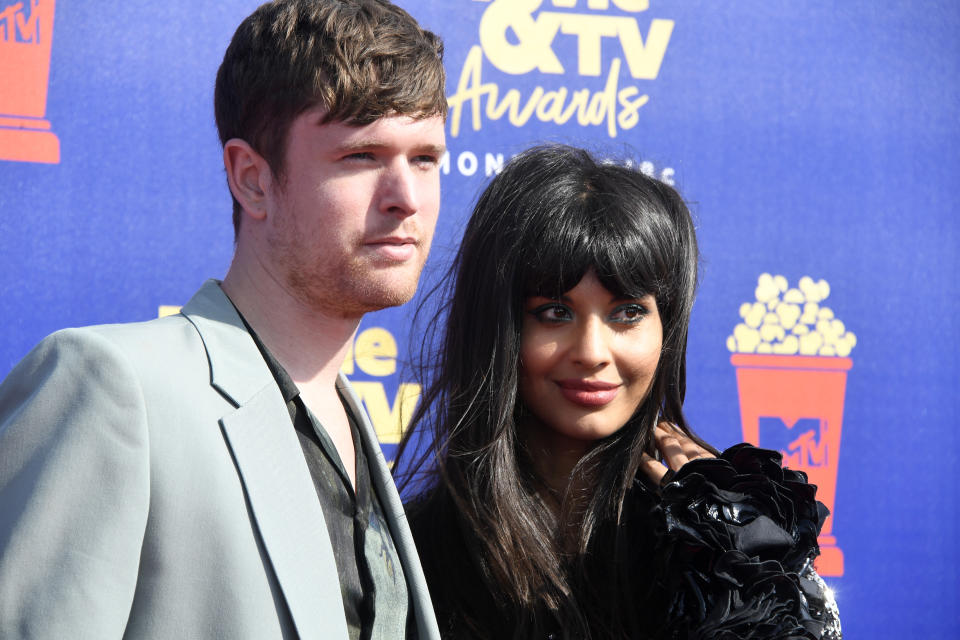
{"x": 395, "y": 248}
{"x": 588, "y": 393}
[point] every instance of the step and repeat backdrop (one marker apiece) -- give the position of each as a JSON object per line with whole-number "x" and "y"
{"x": 818, "y": 144}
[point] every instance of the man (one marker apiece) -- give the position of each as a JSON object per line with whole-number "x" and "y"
{"x": 210, "y": 474}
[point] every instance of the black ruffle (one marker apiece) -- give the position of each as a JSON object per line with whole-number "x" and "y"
{"x": 735, "y": 532}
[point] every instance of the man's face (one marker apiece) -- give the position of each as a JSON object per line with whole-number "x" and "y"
{"x": 354, "y": 211}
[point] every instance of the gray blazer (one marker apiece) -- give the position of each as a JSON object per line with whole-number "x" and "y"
{"x": 152, "y": 486}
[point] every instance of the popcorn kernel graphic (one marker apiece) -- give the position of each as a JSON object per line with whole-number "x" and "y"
{"x": 777, "y": 310}
{"x": 791, "y": 356}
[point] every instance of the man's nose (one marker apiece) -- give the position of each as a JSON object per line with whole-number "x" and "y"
{"x": 400, "y": 194}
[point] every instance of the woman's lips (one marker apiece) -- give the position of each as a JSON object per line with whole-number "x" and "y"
{"x": 588, "y": 393}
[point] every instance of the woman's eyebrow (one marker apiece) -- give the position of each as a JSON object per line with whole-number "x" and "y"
{"x": 638, "y": 298}
{"x": 560, "y": 298}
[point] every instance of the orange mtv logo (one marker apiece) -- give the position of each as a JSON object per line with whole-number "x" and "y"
{"x": 803, "y": 444}
{"x": 795, "y": 404}
{"x": 26, "y": 36}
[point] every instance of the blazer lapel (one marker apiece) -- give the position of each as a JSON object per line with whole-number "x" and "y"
{"x": 270, "y": 462}
{"x": 288, "y": 514}
{"x": 396, "y": 517}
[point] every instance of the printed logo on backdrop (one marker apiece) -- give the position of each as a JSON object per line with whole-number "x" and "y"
{"x": 791, "y": 356}
{"x": 373, "y": 354}
{"x": 538, "y": 41}
{"x": 565, "y": 63}
{"x": 26, "y": 37}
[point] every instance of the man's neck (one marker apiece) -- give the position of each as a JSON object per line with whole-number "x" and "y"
{"x": 309, "y": 344}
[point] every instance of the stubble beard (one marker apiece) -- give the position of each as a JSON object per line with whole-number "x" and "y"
{"x": 351, "y": 289}
{"x": 346, "y": 288}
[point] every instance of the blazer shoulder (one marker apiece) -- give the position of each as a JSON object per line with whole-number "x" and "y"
{"x": 166, "y": 331}
{"x": 121, "y": 360}
{"x": 128, "y": 337}
{"x": 80, "y": 354}
{"x": 76, "y": 467}
{"x": 161, "y": 345}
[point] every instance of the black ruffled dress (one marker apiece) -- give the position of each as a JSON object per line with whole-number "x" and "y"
{"x": 722, "y": 550}
{"x": 736, "y": 539}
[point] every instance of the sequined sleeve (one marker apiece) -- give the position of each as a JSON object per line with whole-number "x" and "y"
{"x": 824, "y": 607}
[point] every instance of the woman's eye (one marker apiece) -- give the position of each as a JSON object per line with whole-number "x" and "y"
{"x": 629, "y": 313}
{"x": 552, "y": 313}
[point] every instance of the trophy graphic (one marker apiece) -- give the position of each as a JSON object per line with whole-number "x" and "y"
{"x": 791, "y": 358}
{"x": 26, "y": 36}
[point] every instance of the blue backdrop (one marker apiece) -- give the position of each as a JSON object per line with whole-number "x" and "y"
{"x": 814, "y": 139}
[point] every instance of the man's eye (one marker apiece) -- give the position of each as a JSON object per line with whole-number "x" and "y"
{"x": 628, "y": 313}
{"x": 426, "y": 161}
{"x": 360, "y": 155}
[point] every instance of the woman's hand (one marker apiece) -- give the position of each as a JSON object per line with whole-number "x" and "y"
{"x": 676, "y": 449}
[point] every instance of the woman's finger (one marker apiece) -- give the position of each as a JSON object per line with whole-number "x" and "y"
{"x": 690, "y": 447}
{"x": 676, "y": 447}
{"x": 671, "y": 448}
{"x": 654, "y": 469}
{"x": 693, "y": 450}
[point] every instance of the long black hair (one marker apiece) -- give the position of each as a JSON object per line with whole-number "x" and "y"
{"x": 549, "y": 217}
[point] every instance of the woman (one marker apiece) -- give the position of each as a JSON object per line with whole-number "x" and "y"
{"x": 559, "y": 502}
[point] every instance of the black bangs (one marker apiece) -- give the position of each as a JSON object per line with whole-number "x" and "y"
{"x": 606, "y": 227}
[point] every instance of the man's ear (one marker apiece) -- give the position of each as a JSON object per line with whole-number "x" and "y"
{"x": 249, "y": 177}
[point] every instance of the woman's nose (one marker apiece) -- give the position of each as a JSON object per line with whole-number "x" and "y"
{"x": 591, "y": 348}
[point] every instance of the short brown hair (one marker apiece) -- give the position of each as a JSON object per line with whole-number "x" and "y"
{"x": 359, "y": 59}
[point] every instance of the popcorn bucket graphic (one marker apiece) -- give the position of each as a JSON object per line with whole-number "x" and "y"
{"x": 26, "y": 36}
{"x": 790, "y": 354}
{"x": 795, "y": 404}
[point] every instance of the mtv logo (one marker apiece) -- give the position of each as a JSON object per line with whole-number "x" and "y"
{"x": 26, "y": 36}
{"x": 801, "y": 443}
{"x": 19, "y": 23}
{"x": 794, "y": 404}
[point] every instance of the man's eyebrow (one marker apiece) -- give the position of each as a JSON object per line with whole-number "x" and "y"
{"x": 436, "y": 149}
{"x": 363, "y": 144}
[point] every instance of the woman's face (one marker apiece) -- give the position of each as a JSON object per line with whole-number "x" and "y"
{"x": 587, "y": 361}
